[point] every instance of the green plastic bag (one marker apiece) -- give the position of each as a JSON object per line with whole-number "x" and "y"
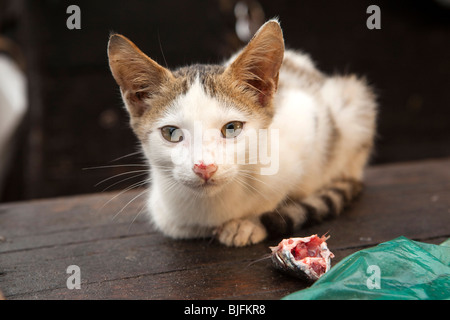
{"x": 393, "y": 270}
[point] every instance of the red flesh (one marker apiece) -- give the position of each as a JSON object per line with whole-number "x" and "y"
{"x": 310, "y": 249}
{"x": 307, "y": 249}
{"x": 318, "y": 267}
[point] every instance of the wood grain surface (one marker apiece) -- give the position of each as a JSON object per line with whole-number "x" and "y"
{"x": 121, "y": 256}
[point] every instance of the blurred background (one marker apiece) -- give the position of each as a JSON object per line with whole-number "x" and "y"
{"x": 61, "y": 112}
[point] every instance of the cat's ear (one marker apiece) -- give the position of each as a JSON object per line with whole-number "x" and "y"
{"x": 257, "y": 66}
{"x": 137, "y": 75}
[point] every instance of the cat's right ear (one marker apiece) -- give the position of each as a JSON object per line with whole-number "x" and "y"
{"x": 137, "y": 75}
{"x": 257, "y": 65}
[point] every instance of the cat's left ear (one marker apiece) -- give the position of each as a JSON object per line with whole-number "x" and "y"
{"x": 257, "y": 66}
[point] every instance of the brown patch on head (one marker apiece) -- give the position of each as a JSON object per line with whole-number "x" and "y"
{"x": 248, "y": 83}
{"x": 218, "y": 84}
{"x": 157, "y": 104}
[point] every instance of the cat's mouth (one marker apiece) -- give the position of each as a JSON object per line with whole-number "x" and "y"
{"x": 204, "y": 184}
{"x": 204, "y": 187}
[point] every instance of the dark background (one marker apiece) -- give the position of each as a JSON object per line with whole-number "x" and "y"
{"x": 76, "y": 119}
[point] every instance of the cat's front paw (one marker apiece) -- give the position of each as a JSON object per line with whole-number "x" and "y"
{"x": 241, "y": 232}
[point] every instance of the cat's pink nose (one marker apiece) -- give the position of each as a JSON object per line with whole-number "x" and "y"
{"x": 205, "y": 171}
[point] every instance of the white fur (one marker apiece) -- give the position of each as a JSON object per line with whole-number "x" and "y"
{"x": 186, "y": 213}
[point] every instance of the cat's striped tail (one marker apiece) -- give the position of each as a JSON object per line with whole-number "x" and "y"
{"x": 327, "y": 203}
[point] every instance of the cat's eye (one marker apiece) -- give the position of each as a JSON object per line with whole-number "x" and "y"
{"x": 232, "y": 129}
{"x": 172, "y": 134}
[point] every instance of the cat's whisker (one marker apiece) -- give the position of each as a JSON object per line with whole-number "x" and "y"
{"x": 172, "y": 185}
{"x": 133, "y": 186}
{"x": 248, "y": 186}
{"x": 162, "y": 167}
{"x": 118, "y": 182}
{"x": 126, "y": 156}
{"x": 118, "y": 175}
{"x": 251, "y": 174}
{"x": 116, "y": 166}
{"x": 273, "y": 187}
{"x": 252, "y": 177}
{"x": 128, "y": 203}
{"x": 276, "y": 209}
{"x": 265, "y": 257}
{"x": 134, "y": 219}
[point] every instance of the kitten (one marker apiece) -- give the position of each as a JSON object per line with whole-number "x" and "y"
{"x": 256, "y": 147}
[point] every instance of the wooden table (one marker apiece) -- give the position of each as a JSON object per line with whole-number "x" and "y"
{"x": 124, "y": 259}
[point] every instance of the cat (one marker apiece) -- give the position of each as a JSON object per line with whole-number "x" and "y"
{"x": 319, "y": 131}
